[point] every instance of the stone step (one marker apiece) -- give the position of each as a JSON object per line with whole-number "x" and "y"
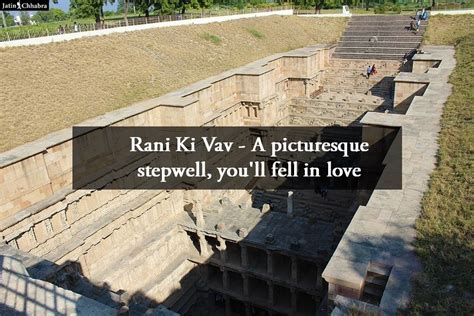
{"x": 368, "y": 56}
{"x": 320, "y": 120}
{"x": 406, "y": 45}
{"x": 382, "y": 23}
{"x": 380, "y": 18}
{"x": 377, "y": 279}
{"x": 391, "y": 28}
{"x": 391, "y": 68}
{"x": 366, "y": 38}
{"x": 378, "y": 50}
{"x": 377, "y": 33}
{"x": 374, "y": 289}
{"x": 364, "y": 104}
{"x": 379, "y": 269}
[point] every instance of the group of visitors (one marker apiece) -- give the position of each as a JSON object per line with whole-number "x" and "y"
{"x": 63, "y": 29}
{"x": 371, "y": 71}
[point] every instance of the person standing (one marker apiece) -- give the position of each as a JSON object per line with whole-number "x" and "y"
{"x": 76, "y": 27}
{"x": 369, "y": 71}
{"x": 373, "y": 71}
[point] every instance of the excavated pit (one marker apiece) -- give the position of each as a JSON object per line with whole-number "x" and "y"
{"x": 246, "y": 255}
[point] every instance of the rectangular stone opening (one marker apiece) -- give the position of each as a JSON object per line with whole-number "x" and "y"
{"x": 236, "y": 282}
{"x": 195, "y": 240}
{"x": 216, "y": 303}
{"x": 233, "y": 253}
{"x": 282, "y": 297}
{"x": 305, "y": 304}
{"x": 307, "y": 273}
{"x": 281, "y": 266}
{"x": 213, "y": 243}
{"x": 215, "y": 276}
{"x": 258, "y": 289}
{"x": 256, "y": 310}
{"x": 257, "y": 259}
{"x": 237, "y": 307}
{"x": 405, "y": 92}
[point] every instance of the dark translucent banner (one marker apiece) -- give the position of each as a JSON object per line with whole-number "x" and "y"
{"x": 24, "y": 5}
{"x": 312, "y": 158}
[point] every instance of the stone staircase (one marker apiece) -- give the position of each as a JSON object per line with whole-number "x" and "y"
{"x": 346, "y": 78}
{"x": 333, "y": 108}
{"x": 375, "y": 281}
{"x": 385, "y": 37}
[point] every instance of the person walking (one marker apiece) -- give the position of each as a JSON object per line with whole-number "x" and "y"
{"x": 369, "y": 71}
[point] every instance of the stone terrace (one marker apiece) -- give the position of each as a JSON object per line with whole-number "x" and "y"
{"x": 215, "y": 242}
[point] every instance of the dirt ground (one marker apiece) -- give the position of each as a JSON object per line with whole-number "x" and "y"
{"x": 49, "y": 87}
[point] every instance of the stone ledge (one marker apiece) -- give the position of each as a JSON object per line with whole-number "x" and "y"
{"x": 383, "y": 230}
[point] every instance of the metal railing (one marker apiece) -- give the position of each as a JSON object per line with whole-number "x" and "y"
{"x": 20, "y": 32}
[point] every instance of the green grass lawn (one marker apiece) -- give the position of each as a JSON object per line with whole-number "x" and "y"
{"x": 445, "y": 229}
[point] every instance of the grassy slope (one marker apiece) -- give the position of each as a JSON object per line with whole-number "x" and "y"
{"x": 49, "y": 87}
{"x": 445, "y": 229}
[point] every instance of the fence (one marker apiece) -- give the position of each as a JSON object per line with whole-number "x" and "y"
{"x": 17, "y": 33}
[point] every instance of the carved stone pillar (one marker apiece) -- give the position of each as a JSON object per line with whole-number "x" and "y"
{"x": 245, "y": 278}
{"x": 225, "y": 278}
{"x": 294, "y": 269}
{"x": 203, "y": 249}
{"x": 269, "y": 263}
{"x": 222, "y": 248}
{"x": 228, "y": 309}
{"x": 197, "y": 212}
{"x": 290, "y": 204}
{"x": 244, "y": 256}
{"x": 271, "y": 299}
{"x": 294, "y": 301}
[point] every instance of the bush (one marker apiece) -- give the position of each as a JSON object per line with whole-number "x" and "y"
{"x": 388, "y": 8}
{"x": 211, "y": 38}
{"x": 256, "y": 33}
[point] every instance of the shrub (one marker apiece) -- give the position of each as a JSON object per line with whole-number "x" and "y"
{"x": 211, "y": 38}
{"x": 256, "y": 33}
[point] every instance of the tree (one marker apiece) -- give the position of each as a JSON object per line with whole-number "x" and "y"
{"x": 125, "y": 12}
{"x": 144, "y": 6}
{"x": 25, "y": 18}
{"x": 120, "y": 4}
{"x": 53, "y": 14}
{"x": 7, "y": 19}
{"x": 88, "y": 8}
{"x": 204, "y": 4}
{"x": 183, "y": 4}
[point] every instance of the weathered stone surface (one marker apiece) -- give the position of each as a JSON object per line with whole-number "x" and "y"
{"x": 21, "y": 294}
{"x": 383, "y": 230}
